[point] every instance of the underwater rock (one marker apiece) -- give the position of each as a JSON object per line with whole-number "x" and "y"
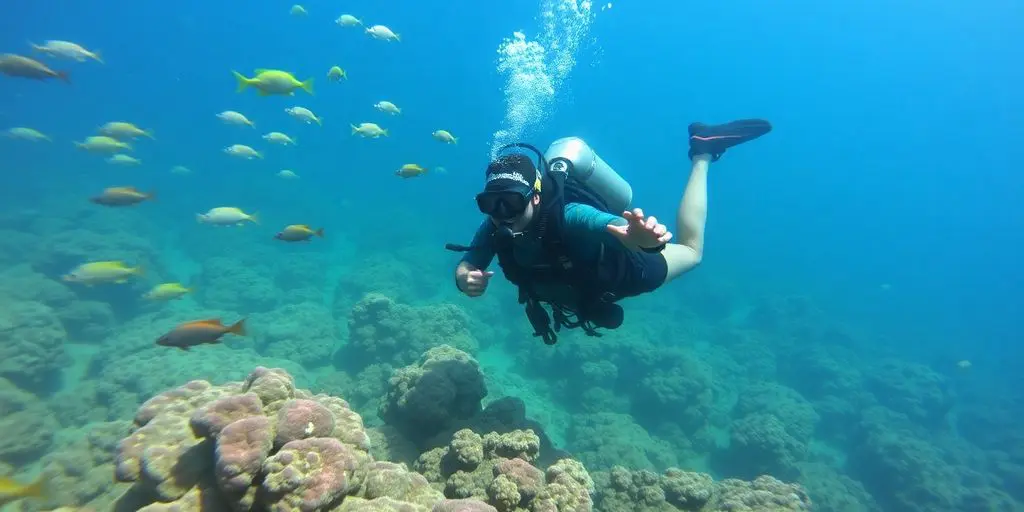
{"x": 305, "y": 333}
{"x": 425, "y": 398}
{"x": 300, "y": 419}
{"x": 31, "y": 344}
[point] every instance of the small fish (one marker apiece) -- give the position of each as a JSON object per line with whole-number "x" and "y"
{"x": 387, "y": 107}
{"x": 445, "y": 136}
{"x": 273, "y": 81}
{"x": 235, "y": 118}
{"x": 11, "y": 490}
{"x": 123, "y": 130}
{"x": 99, "y": 272}
{"x": 383, "y": 33}
{"x": 279, "y": 138}
{"x": 370, "y": 130}
{"x": 121, "y": 196}
{"x": 29, "y": 134}
{"x": 181, "y": 170}
{"x": 167, "y": 291}
{"x": 242, "y": 151}
{"x": 304, "y": 114}
{"x": 410, "y": 171}
{"x": 335, "y": 74}
{"x": 67, "y": 50}
{"x": 347, "y": 20}
{"x": 103, "y": 144}
{"x": 440, "y": 170}
{"x": 24, "y": 67}
{"x": 199, "y": 332}
{"x": 299, "y": 233}
{"x": 964, "y": 365}
{"x": 288, "y": 175}
{"x": 298, "y": 10}
{"x": 226, "y": 216}
{"x": 120, "y": 159}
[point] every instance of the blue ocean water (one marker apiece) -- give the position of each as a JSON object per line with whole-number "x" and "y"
{"x": 886, "y": 197}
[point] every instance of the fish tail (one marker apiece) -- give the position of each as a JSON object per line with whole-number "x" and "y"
{"x": 385, "y": 133}
{"x": 254, "y": 218}
{"x": 63, "y": 75}
{"x": 319, "y": 232}
{"x": 259, "y": 155}
{"x": 149, "y": 133}
{"x": 36, "y": 489}
{"x": 238, "y": 328}
{"x": 200, "y": 218}
{"x": 455, "y": 140}
{"x": 319, "y": 121}
{"x": 398, "y": 38}
{"x": 344, "y": 74}
{"x": 308, "y": 84}
{"x": 243, "y": 82}
{"x": 138, "y": 271}
{"x": 354, "y": 131}
{"x": 96, "y": 56}
{"x": 151, "y": 195}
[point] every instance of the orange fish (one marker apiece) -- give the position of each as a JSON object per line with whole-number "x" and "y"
{"x": 121, "y": 196}
{"x": 199, "y": 332}
{"x": 24, "y": 67}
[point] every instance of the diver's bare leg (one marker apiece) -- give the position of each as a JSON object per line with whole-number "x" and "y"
{"x": 683, "y": 256}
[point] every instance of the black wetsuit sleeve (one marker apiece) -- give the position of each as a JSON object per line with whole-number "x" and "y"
{"x": 482, "y": 252}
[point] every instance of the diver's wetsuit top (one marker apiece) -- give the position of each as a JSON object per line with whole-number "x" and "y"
{"x": 585, "y": 232}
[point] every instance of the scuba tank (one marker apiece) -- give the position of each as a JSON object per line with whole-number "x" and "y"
{"x": 591, "y": 172}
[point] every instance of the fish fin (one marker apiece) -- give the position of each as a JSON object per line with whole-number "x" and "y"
{"x": 320, "y": 121}
{"x": 151, "y": 195}
{"x": 398, "y": 38}
{"x": 319, "y": 232}
{"x": 183, "y": 348}
{"x": 200, "y": 218}
{"x": 96, "y": 56}
{"x": 214, "y": 321}
{"x": 63, "y": 75}
{"x": 149, "y": 133}
{"x": 259, "y": 71}
{"x": 238, "y": 328}
{"x": 243, "y": 82}
{"x": 139, "y": 270}
{"x": 259, "y": 155}
{"x": 262, "y": 92}
{"x": 344, "y": 74}
{"x": 254, "y": 218}
{"x": 385, "y": 133}
{"x": 308, "y": 84}
{"x": 455, "y": 140}
{"x": 355, "y": 130}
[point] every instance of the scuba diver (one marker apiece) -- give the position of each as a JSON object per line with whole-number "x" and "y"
{"x": 554, "y": 226}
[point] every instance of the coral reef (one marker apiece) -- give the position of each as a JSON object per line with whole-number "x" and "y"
{"x": 384, "y": 331}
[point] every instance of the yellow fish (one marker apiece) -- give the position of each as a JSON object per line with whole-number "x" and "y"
{"x": 11, "y": 490}
{"x": 124, "y": 130}
{"x": 370, "y": 130}
{"x": 29, "y": 134}
{"x": 167, "y": 291}
{"x": 98, "y": 272}
{"x": 410, "y": 171}
{"x": 103, "y": 144}
{"x": 336, "y": 74}
{"x": 273, "y": 81}
{"x": 445, "y": 136}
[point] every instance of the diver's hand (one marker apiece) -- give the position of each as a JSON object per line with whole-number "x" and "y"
{"x": 474, "y": 282}
{"x": 640, "y": 232}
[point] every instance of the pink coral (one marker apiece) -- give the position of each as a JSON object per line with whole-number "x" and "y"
{"x": 273, "y": 385}
{"x": 210, "y": 419}
{"x": 242, "y": 447}
{"x": 309, "y": 474}
{"x": 300, "y": 419}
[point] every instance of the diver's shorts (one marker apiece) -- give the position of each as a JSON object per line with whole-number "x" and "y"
{"x": 645, "y": 272}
